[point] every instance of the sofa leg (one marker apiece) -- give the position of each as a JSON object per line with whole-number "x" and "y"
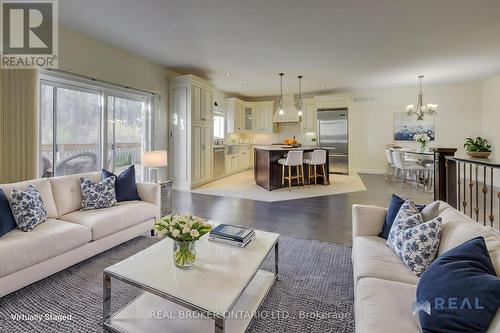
{"x": 152, "y": 233}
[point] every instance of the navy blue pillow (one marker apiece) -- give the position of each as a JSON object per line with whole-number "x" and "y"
{"x": 462, "y": 288}
{"x": 392, "y": 212}
{"x": 7, "y": 221}
{"x": 125, "y": 185}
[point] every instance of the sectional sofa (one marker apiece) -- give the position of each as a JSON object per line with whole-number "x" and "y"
{"x": 69, "y": 235}
{"x": 384, "y": 288}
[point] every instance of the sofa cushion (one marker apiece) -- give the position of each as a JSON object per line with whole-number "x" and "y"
{"x": 373, "y": 258}
{"x": 125, "y": 184}
{"x": 413, "y": 240}
{"x": 457, "y": 228}
{"x": 462, "y": 290}
{"x": 97, "y": 195}
{"x": 44, "y": 187}
{"x": 383, "y": 306}
{"x": 20, "y": 249}
{"x": 28, "y": 208}
{"x": 107, "y": 221}
{"x": 67, "y": 191}
{"x": 7, "y": 221}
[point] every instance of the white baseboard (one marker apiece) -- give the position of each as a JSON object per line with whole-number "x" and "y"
{"x": 371, "y": 171}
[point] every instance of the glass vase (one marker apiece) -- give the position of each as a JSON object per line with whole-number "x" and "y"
{"x": 184, "y": 254}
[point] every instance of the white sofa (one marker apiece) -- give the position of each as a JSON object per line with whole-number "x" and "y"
{"x": 384, "y": 288}
{"x": 69, "y": 235}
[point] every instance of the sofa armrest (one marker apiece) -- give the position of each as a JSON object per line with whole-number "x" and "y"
{"x": 367, "y": 220}
{"x": 150, "y": 192}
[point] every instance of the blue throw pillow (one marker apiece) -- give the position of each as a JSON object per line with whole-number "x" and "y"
{"x": 125, "y": 185}
{"x": 392, "y": 211}
{"x": 7, "y": 221}
{"x": 459, "y": 291}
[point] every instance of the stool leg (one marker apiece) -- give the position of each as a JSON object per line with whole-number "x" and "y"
{"x": 297, "y": 168}
{"x": 302, "y": 172}
{"x": 289, "y": 176}
{"x": 282, "y": 175}
{"x": 309, "y": 175}
{"x": 324, "y": 174}
{"x": 315, "y": 175}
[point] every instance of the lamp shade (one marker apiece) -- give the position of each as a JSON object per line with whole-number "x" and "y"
{"x": 155, "y": 158}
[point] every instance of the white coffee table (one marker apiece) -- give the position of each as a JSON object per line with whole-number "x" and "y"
{"x": 221, "y": 293}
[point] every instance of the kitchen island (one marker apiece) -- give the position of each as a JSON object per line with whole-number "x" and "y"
{"x": 267, "y": 170}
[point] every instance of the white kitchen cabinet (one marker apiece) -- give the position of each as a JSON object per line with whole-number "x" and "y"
{"x": 244, "y": 117}
{"x": 263, "y": 117}
{"x": 309, "y": 116}
{"x": 190, "y": 101}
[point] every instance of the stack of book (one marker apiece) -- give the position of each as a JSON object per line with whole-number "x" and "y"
{"x": 232, "y": 235}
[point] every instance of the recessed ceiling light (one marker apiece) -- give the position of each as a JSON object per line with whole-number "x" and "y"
{"x": 244, "y": 84}
{"x": 323, "y": 86}
{"x": 227, "y": 74}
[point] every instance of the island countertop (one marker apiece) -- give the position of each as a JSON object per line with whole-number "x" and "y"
{"x": 283, "y": 148}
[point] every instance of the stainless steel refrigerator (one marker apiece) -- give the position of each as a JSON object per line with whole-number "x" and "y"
{"x": 333, "y": 135}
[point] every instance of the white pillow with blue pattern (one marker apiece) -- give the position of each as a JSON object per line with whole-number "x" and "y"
{"x": 415, "y": 241}
{"x": 27, "y": 208}
{"x": 97, "y": 195}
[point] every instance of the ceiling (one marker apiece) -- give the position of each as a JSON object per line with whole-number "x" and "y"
{"x": 337, "y": 44}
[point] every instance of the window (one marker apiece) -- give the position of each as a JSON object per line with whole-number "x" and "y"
{"x": 218, "y": 125}
{"x": 84, "y": 128}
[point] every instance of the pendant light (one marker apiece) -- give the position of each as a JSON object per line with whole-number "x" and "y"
{"x": 300, "y": 104}
{"x": 281, "y": 111}
{"x": 420, "y": 110}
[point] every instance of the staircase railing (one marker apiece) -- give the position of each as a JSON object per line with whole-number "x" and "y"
{"x": 469, "y": 185}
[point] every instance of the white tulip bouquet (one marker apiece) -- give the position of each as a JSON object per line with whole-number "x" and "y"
{"x": 422, "y": 138}
{"x": 184, "y": 230}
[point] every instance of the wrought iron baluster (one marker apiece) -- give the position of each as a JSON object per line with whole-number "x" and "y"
{"x": 492, "y": 217}
{"x": 485, "y": 192}
{"x": 476, "y": 210}
{"x": 458, "y": 185}
{"x": 464, "y": 204}
{"x": 471, "y": 184}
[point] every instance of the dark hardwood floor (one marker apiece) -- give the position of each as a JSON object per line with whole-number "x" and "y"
{"x": 326, "y": 218}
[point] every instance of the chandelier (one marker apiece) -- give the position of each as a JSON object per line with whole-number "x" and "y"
{"x": 420, "y": 110}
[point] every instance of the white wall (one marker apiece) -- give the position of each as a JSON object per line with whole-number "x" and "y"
{"x": 490, "y": 113}
{"x": 371, "y": 121}
{"x": 83, "y": 55}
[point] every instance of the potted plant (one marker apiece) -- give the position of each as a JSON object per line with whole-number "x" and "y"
{"x": 478, "y": 148}
{"x": 184, "y": 230}
{"x": 423, "y": 139}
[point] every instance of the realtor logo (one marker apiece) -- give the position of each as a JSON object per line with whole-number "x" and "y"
{"x": 29, "y": 33}
{"x": 421, "y": 306}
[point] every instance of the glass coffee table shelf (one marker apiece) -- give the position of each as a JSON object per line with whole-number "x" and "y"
{"x": 221, "y": 293}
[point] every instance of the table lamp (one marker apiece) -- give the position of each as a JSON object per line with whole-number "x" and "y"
{"x": 154, "y": 160}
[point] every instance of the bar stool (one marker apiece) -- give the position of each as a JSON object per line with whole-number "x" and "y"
{"x": 294, "y": 158}
{"x": 318, "y": 157}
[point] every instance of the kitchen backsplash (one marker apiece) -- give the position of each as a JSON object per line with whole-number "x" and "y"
{"x": 285, "y": 131}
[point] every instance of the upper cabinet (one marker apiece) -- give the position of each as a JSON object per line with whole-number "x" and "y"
{"x": 263, "y": 117}
{"x": 249, "y": 116}
{"x": 201, "y": 100}
{"x": 309, "y": 119}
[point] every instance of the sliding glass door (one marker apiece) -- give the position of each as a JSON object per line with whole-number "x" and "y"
{"x": 84, "y": 129}
{"x": 128, "y": 131}
{"x": 70, "y": 130}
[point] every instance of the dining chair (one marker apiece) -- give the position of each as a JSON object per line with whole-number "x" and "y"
{"x": 406, "y": 169}
{"x": 316, "y": 158}
{"x": 391, "y": 170}
{"x": 294, "y": 158}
